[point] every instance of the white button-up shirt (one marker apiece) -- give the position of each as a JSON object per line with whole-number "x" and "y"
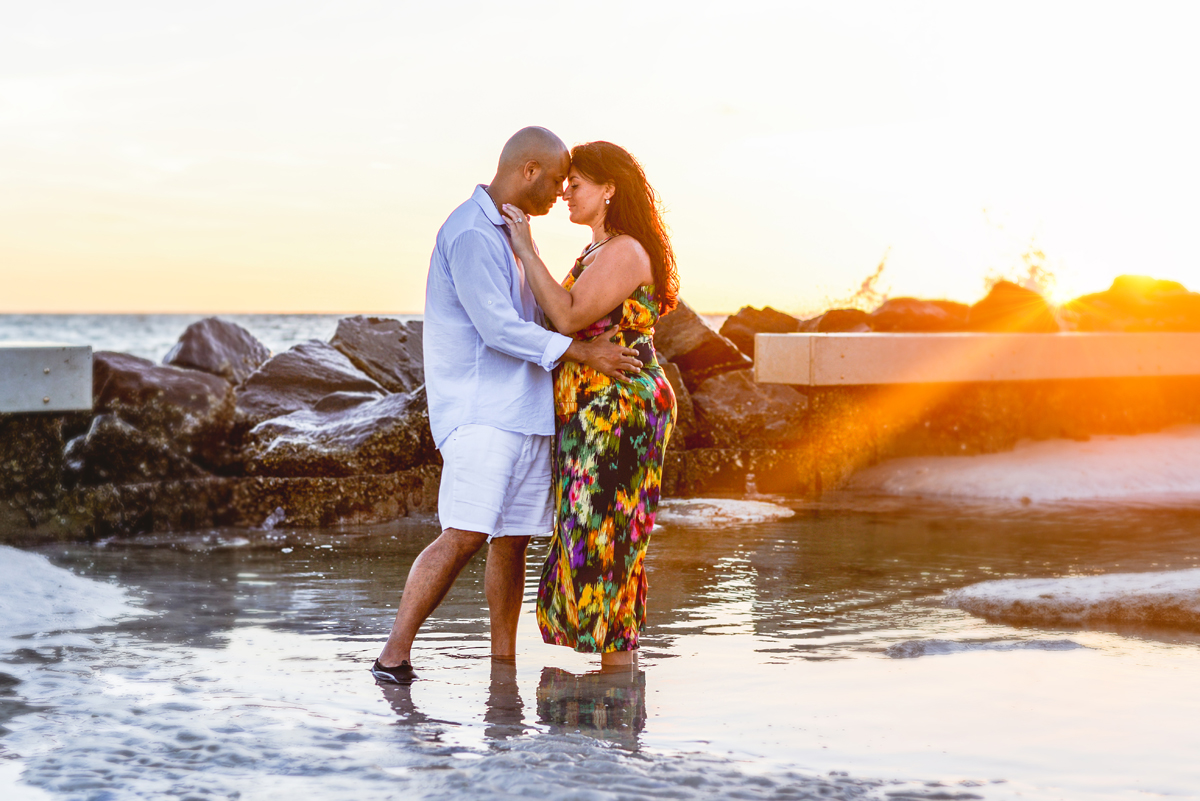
{"x": 487, "y": 356}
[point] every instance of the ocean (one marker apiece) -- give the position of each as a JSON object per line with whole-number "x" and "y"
{"x": 151, "y": 336}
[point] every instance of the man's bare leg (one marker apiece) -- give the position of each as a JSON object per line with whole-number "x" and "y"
{"x": 504, "y": 584}
{"x": 429, "y": 579}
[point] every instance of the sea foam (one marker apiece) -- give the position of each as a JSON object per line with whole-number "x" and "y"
{"x": 718, "y": 512}
{"x": 917, "y": 648}
{"x": 1146, "y": 467}
{"x": 38, "y": 597}
{"x": 1158, "y": 598}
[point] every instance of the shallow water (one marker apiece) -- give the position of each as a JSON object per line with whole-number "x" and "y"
{"x": 806, "y": 657}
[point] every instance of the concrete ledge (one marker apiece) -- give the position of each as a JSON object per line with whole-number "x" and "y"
{"x": 830, "y": 360}
{"x": 45, "y": 377}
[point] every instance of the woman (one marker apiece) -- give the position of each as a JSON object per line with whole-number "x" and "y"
{"x": 611, "y": 435}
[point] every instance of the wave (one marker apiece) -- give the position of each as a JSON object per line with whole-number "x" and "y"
{"x": 40, "y": 598}
{"x": 1148, "y": 467}
{"x": 916, "y": 648}
{"x": 1169, "y": 598}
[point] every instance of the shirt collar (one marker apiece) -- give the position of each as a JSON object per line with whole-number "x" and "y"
{"x": 488, "y": 205}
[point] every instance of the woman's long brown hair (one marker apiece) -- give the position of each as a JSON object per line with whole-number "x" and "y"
{"x": 634, "y": 209}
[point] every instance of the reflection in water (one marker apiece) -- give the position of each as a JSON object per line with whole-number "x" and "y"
{"x": 606, "y": 705}
{"x": 399, "y": 698}
{"x": 505, "y": 711}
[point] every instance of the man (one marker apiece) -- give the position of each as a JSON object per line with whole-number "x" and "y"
{"x": 491, "y": 399}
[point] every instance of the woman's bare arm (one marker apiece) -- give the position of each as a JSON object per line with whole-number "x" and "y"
{"x": 618, "y": 269}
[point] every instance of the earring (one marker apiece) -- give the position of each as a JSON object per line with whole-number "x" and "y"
{"x": 605, "y": 201}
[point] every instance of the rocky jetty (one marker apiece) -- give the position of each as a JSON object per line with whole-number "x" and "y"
{"x": 224, "y": 433}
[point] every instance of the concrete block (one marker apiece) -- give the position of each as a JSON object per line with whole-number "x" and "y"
{"x": 826, "y": 360}
{"x": 45, "y": 377}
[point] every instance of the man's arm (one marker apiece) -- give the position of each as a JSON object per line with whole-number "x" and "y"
{"x": 481, "y": 282}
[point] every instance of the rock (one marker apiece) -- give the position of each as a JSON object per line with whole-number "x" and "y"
{"x": 388, "y": 351}
{"x": 740, "y": 328}
{"x": 1137, "y": 303}
{"x": 218, "y": 347}
{"x": 31, "y": 463}
{"x": 297, "y": 379}
{"x": 838, "y": 321}
{"x": 1009, "y": 308}
{"x": 912, "y": 316}
{"x": 337, "y": 401}
{"x": 737, "y": 471}
{"x": 732, "y": 411}
{"x": 201, "y": 503}
{"x": 381, "y": 436}
{"x": 683, "y": 337}
{"x": 329, "y": 502}
{"x": 188, "y": 407}
{"x": 685, "y": 416}
{"x": 114, "y": 452}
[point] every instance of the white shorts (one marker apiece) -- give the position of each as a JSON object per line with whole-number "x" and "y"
{"x": 496, "y": 482}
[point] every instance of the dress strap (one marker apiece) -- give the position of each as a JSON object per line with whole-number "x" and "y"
{"x": 593, "y": 247}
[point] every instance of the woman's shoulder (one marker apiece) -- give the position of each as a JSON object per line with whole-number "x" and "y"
{"x": 625, "y": 243}
{"x": 622, "y": 247}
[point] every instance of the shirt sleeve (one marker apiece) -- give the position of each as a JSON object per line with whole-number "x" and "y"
{"x": 481, "y": 278}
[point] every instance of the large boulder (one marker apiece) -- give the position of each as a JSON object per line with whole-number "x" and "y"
{"x": 1137, "y": 303}
{"x": 114, "y": 452}
{"x": 838, "y": 321}
{"x": 188, "y": 407}
{"x": 733, "y": 411}
{"x": 380, "y": 436}
{"x": 912, "y": 316}
{"x": 388, "y": 351}
{"x": 740, "y": 328}
{"x": 685, "y": 416}
{"x": 218, "y": 347}
{"x": 1009, "y": 308}
{"x": 296, "y": 380}
{"x": 683, "y": 337}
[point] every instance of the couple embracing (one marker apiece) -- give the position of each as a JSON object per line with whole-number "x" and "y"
{"x": 540, "y": 432}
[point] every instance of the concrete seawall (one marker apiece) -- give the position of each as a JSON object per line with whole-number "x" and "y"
{"x": 876, "y": 396}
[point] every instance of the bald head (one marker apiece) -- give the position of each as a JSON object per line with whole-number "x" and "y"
{"x": 532, "y": 144}
{"x": 531, "y": 172}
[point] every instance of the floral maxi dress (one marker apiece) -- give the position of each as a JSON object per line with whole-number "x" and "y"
{"x": 610, "y": 438}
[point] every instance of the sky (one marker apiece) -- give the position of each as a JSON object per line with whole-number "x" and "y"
{"x": 300, "y": 156}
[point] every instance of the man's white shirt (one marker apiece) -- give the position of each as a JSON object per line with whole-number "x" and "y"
{"x": 487, "y": 355}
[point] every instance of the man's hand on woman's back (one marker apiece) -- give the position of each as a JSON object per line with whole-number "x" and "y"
{"x": 605, "y": 356}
